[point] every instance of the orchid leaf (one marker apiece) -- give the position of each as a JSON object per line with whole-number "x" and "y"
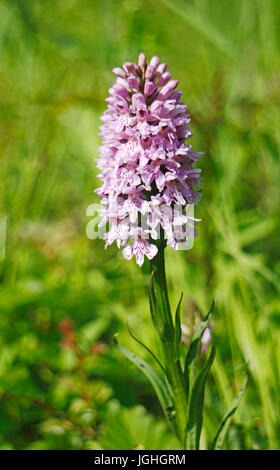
{"x": 145, "y": 347}
{"x": 196, "y": 403}
{"x": 178, "y": 330}
{"x": 157, "y": 383}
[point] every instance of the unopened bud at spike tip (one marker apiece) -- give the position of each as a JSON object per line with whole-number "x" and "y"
{"x": 142, "y": 61}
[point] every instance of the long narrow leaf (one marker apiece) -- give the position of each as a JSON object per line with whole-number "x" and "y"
{"x": 145, "y": 347}
{"x": 178, "y": 330}
{"x": 196, "y": 403}
{"x": 193, "y": 347}
{"x": 223, "y": 428}
{"x": 157, "y": 383}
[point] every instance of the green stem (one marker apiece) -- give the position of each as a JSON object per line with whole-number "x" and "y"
{"x": 171, "y": 362}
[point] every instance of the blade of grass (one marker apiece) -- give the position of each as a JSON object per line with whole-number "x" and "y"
{"x": 223, "y": 428}
{"x": 204, "y": 27}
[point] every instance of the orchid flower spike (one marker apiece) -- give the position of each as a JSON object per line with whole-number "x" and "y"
{"x": 146, "y": 167}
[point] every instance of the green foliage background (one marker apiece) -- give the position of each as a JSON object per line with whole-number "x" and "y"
{"x": 64, "y": 385}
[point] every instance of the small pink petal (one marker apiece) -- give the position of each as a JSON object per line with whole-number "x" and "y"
{"x": 127, "y": 252}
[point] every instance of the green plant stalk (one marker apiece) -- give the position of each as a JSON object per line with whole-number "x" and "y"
{"x": 172, "y": 363}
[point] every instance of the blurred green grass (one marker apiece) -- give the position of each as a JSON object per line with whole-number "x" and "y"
{"x": 55, "y": 70}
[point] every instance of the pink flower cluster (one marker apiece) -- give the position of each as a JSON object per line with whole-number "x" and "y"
{"x": 146, "y": 167}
